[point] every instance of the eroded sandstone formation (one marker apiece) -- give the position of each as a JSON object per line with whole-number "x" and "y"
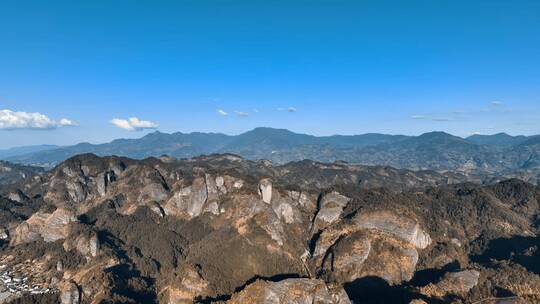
{"x": 220, "y": 229}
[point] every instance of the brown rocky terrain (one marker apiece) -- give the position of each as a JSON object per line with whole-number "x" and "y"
{"x": 220, "y": 229}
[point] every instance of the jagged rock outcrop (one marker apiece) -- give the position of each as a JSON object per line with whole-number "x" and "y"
{"x": 290, "y": 291}
{"x": 331, "y": 207}
{"x": 453, "y": 283}
{"x": 265, "y": 190}
{"x": 48, "y": 226}
{"x": 378, "y": 244}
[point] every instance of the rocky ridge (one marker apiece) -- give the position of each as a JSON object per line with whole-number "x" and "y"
{"x": 223, "y": 229}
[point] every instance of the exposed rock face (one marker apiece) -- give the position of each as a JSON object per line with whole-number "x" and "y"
{"x": 87, "y": 245}
{"x": 386, "y": 241}
{"x": 331, "y": 207}
{"x": 457, "y": 283}
{"x": 4, "y": 234}
{"x": 49, "y": 226}
{"x": 401, "y": 227}
{"x": 70, "y": 293}
{"x": 190, "y": 287}
{"x": 198, "y": 196}
{"x": 290, "y": 291}
{"x": 265, "y": 190}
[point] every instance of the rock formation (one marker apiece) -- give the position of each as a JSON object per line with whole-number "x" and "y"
{"x": 290, "y": 291}
{"x": 220, "y": 229}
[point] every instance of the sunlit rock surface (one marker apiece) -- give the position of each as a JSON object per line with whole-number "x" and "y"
{"x": 290, "y": 291}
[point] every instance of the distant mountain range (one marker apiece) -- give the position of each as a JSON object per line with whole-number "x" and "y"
{"x": 13, "y": 152}
{"x": 499, "y": 153}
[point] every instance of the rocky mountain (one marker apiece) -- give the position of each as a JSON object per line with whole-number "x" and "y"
{"x": 12, "y": 173}
{"x": 495, "y": 156}
{"x": 221, "y": 229}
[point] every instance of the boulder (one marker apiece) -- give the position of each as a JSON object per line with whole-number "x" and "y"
{"x": 191, "y": 286}
{"x": 69, "y": 293}
{"x": 348, "y": 257}
{"x": 453, "y": 283}
{"x": 290, "y": 291}
{"x": 265, "y": 190}
{"x": 379, "y": 244}
{"x": 87, "y": 245}
{"x": 4, "y": 234}
{"x": 331, "y": 207}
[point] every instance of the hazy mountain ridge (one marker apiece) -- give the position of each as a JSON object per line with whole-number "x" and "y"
{"x": 497, "y": 140}
{"x": 492, "y": 154}
{"x": 15, "y": 151}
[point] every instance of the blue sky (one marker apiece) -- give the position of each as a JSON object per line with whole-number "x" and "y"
{"x": 319, "y": 67}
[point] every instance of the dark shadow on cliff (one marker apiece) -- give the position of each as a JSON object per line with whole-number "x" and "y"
{"x": 276, "y": 278}
{"x": 129, "y": 285}
{"x": 374, "y": 290}
{"x": 426, "y": 276}
{"x": 518, "y": 249}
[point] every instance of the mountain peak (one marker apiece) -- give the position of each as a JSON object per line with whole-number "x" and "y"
{"x": 438, "y": 135}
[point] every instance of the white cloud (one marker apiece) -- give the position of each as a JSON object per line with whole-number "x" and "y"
{"x": 241, "y": 114}
{"x": 133, "y": 124}
{"x": 66, "y": 122}
{"x": 418, "y": 117}
{"x": 497, "y": 103}
{"x": 11, "y": 120}
{"x": 291, "y": 109}
{"x": 222, "y": 113}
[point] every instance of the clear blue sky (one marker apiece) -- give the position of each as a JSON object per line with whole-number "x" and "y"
{"x": 347, "y": 67}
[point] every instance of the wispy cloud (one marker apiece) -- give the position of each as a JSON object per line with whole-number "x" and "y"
{"x": 291, "y": 110}
{"x": 241, "y": 114}
{"x": 11, "y": 120}
{"x": 441, "y": 119}
{"x": 426, "y": 117}
{"x": 497, "y": 103}
{"x": 222, "y": 113}
{"x": 134, "y": 124}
